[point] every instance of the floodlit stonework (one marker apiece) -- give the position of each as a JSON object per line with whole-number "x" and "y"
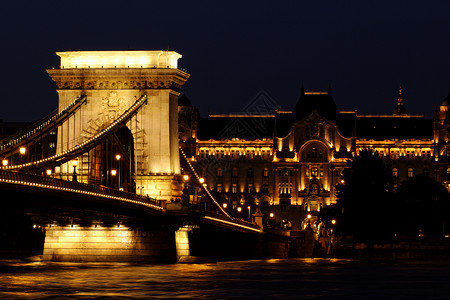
{"x": 288, "y": 162}
{"x": 112, "y": 82}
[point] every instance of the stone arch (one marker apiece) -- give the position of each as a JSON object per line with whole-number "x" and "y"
{"x": 314, "y": 151}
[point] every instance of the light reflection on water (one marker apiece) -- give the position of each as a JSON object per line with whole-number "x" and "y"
{"x": 292, "y": 279}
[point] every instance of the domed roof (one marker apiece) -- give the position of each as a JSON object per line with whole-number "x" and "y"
{"x": 183, "y": 100}
{"x": 446, "y": 101}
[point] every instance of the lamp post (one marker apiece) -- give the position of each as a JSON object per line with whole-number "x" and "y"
{"x": 22, "y": 151}
{"x": 48, "y": 172}
{"x": 118, "y": 167}
{"x": 74, "y": 164}
{"x": 185, "y": 191}
{"x": 5, "y": 162}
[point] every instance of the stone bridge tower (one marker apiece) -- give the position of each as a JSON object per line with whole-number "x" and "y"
{"x": 112, "y": 82}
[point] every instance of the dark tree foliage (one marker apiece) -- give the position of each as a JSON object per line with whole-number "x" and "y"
{"x": 424, "y": 207}
{"x": 365, "y": 199}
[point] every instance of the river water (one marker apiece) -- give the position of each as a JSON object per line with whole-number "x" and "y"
{"x": 257, "y": 279}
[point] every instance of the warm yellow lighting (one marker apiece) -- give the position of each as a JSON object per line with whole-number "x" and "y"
{"x": 5, "y": 162}
{"x": 74, "y": 162}
{"x": 22, "y": 150}
{"x": 119, "y": 59}
{"x": 201, "y": 180}
{"x": 333, "y": 221}
{"x": 118, "y": 157}
{"x": 224, "y": 205}
{"x": 48, "y": 172}
{"x": 271, "y": 215}
{"x": 113, "y": 172}
{"x": 309, "y": 216}
{"x": 239, "y": 209}
{"x": 342, "y": 181}
{"x": 186, "y": 177}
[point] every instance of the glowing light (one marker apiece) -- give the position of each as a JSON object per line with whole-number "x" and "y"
{"x": 22, "y": 150}
{"x": 333, "y": 221}
{"x": 201, "y": 180}
{"x": 5, "y": 162}
{"x": 271, "y": 215}
{"x": 186, "y": 177}
{"x": 239, "y": 209}
{"x": 113, "y": 172}
{"x": 118, "y": 157}
{"x": 74, "y": 162}
{"x": 48, "y": 172}
{"x": 309, "y": 216}
{"x": 225, "y": 205}
{"x": 119, "y": 59}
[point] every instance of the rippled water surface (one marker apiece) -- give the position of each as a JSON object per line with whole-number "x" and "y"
{"x": 267, "y": 279}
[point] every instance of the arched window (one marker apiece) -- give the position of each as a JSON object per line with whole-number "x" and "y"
{"x": 394, "y": 172}
{"x": 410, "y": 172}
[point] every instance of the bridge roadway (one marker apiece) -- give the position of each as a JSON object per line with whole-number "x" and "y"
{"x": 62, "y": 193}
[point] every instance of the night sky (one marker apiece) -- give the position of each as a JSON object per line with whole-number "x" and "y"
{"x": 235, "y": 49}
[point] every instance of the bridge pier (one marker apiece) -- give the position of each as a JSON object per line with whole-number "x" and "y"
{"x": 108, "y": 244}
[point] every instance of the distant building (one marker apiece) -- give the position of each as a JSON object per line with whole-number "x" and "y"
{"x": 290, "y": 161}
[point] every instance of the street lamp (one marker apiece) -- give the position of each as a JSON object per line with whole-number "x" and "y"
{"x": 249, "y": 212}
{"x": 201, "y": 180}
{"x": 225, "y": 205}
{"x": 113, "y": 172}
{"x": 239, "y": 209}
{"x": 118, "y": 161}
{"x": 186, "y": 196}
{"x": 74, "y": 164}
{"x": 48, "y": 172}
{"x": 5, "y": 162}
{"x": 271, "y": 215}
{"x": 22, "y": 151}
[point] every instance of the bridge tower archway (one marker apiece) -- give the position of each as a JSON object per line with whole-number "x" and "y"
{"x": 112, "y": 82}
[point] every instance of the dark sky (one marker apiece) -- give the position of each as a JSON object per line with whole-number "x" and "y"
{"x": 235, "y": 49}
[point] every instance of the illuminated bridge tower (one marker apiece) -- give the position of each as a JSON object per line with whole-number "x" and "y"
{"x": 112, "y": 82}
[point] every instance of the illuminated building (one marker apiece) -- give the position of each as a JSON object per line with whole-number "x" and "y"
{"x": 290, "y": 161}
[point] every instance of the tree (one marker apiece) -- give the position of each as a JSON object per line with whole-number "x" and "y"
{"x": 424, "y": 207}
{"x": 365, "y": 198}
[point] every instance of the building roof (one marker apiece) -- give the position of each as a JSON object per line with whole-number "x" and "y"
{"x": 380, "y": 128}
{"x": 242, "y": 127}
{"x": 446, "y": 101}
{"x": 322, "y": 102}
{"x": 183, "y": 100}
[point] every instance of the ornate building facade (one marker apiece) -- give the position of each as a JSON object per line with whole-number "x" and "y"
{"x": 290, "y": 161}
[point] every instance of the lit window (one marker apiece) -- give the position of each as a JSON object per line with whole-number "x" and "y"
{"x": 410, "y": 172}
{"x": 219, "y": 172}
{"x": 234, "y": 188}
{"x": 314, "y": 172}
{"x": 394, "y": 172}
{"x": 250, "y": 188}
{"x": 219, "y": 188}
{"x": 266, "y": 172}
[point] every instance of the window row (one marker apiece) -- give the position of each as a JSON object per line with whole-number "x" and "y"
{"x": 249, "y": 154}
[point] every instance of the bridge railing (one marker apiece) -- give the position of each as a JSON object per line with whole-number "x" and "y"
{"x": 55, "y": 183}
{"x": 232, "y": 220}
